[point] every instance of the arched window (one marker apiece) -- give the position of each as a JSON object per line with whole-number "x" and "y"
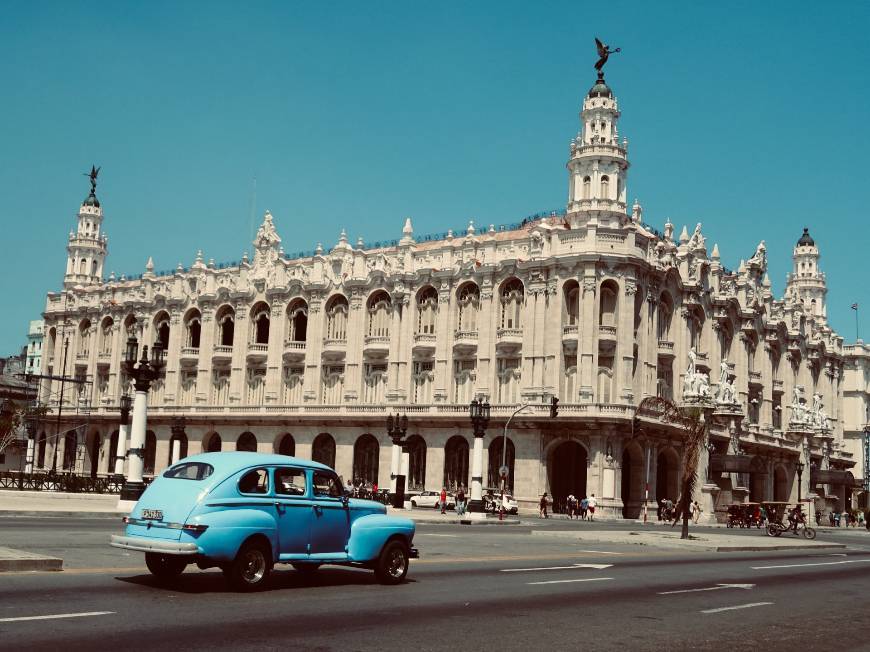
{"x": 226, "y": 324}
{"x": 605, "y": 187}
{"x": 587, "y": 186}
{"x": 256, "y": 385}
{"x": 572, "y": 303}
{"x": 106, "y": 336}
{"x": 605, "y": 384}
{"x": 85, "y": 338}
{"x": 607, "y": 303}
{"x": 509, "y": 375}
{"x": 512, "y": 304}
{"x": 83, "y": 267}
{"x": 131, "y": 327}
{"x": 260, "y": 324}
{"x": 424, "y": 379}
{"x": 696, "y": 328}
{"x": 375, "y": 383}
{"x": 323, "y": 449}
{"x": 726, "y": 339}
{"x": 213, "y": 443}
{"x": 468, "y": 303}
{"x": 70, "y": 443}
{"x": 427, "y": 310}
{"x": 161, "y": 329}
{"x": 297, "y": 318}
{"x": 456, "y": 463}
{"x": 416, "y": 463}
{"x": 666, "y": 313}
{"x": 287, "y": 445}
{"x": 193, "y": 328}
{"x": 365, "y": 460}
{"x": 247, "y": 442}
{"x": 336, "y": 318}
{"x": 150, "y": 452}
{"x": 379, "y": 315}
{"x": 94, "y": 268}
{"x": 333, "y": 384}
{"x": 495, "y": 457}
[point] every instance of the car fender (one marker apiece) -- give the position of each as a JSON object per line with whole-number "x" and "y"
{"x": 368, "y": 534}
{"x": 229, "y": 528}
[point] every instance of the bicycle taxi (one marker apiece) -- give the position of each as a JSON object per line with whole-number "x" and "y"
{"x": 777, "y": 512}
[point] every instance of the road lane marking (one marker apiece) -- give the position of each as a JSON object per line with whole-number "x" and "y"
{"x": 53, "y": 616}
{"x": 602, "y": 552}
{"x": 546, "y": 568}
{"x": 587, "y": 579}
{"x": 818, "y": 563}
{"x": 429, "y": 534}
{"x": 718, "y": 587}
{"x": 739, "y": 606}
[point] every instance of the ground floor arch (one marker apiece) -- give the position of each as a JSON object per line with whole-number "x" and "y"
{"x": 567, "y": 466}
{"x": 366, "y": 452}
{"x": 286, "y": 445}
{"x": 416, "y": 480}
{"x": 323, "y": 449}
{"x": 456, "y": 463}
{"x": 495, "y": 462}
{"x": 667, "y": 476}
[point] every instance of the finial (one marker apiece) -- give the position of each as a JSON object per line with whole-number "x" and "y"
{"x": 199, "y": 256}
{"x": 245, "y": 257}
{"x": 492, "y": 228}
{"x": 149, "y": 266}
{"x": 684, "y": 235}
{"x": 470, "y": 229}
{"x": 715, "y": 254}
{"x": 342, "y": 237}
{"x": 604, "y": 53}
{"x": 92, "y": 175}
{"x": 407, "y": 233}
{"x": 450, "y": 234}
{"x": 112, "y": 275}
{"x": 359, "y": 243}
{"x": 318, "y": 249}
{"x": 636, "y": 211}
{"x": 179, "y": 268}
{"x": 211, "y": 263}
{"x": 281, "y": 250}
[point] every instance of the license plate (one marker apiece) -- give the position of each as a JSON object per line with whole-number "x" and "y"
{"x": 152, "y": 514}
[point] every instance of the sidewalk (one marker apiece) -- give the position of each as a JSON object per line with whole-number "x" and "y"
{"x": 700, "y": 540}
{"x": 51, "y": 503}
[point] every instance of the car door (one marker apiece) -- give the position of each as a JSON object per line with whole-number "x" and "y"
{"x": 330, "y": 524}
{"x": 293, "y": 505}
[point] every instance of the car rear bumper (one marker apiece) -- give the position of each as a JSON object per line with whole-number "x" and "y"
{"x": 163, "y": 546}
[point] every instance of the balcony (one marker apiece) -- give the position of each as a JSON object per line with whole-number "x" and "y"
{"x": 606, "y": 333}
{"x": 754, "y": 377}
{"x": 258, "y": 352}
{"x": 424, "y": 343}
{"x": 222, "y": 352}
{"x": 104, "y": 358}
{"x": 376, "y": 346}
{"x": 294, "y": 351}
{"x": 777, "y": 385}
{"x": 508, "y": 339}
{"x": 189, "y": 355}
{"x": 666, "y": 349}
{"x": 465, "y": 341}
{"x": 334, "y": 348}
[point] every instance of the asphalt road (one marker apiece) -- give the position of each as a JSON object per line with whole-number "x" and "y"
{"x": 474, "y": 588}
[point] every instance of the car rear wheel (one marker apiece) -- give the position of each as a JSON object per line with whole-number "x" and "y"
{"x": 414, "y": 504}
{"x": 165, "y": 567}
{"x": 249, "y": 571}
{"x": 392, "y": 565}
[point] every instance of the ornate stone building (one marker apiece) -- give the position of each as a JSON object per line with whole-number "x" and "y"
{"x": 308, "y": 354}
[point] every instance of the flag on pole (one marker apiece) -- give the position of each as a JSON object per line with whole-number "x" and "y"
{"x": 854, "y": 306}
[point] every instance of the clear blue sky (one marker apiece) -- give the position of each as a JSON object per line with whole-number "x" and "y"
{"x": 749, "y": 117}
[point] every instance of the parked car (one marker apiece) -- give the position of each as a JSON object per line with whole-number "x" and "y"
{"x": 245, "y": 512}
{"x": 491, "y": 502}
{"x": 432, "y": 499}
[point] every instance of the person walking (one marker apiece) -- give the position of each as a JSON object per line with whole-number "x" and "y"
{"x": 542, "y": 512}
{"x": 572, "y": 506}
{"x": 696, "y": 512}
{"x": 460, "y": 502}
{"x": 591, "y": 505}
{"x": 443, "y": 500}
{"x": 584, "y": 508}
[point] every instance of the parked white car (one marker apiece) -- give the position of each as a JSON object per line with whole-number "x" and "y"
{"x": 432, "y": 499}
{"x": 491, "y": 503}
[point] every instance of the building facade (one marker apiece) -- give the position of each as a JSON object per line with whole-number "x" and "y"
{"x": 34, "y": 346}
{"x": 308, "y": 354}
{"x": 856, "y": 410}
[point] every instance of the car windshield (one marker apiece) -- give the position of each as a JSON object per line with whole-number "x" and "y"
{"x": 189, "y": 471}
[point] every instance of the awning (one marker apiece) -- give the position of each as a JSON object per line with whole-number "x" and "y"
{"x": 831, "y": 476}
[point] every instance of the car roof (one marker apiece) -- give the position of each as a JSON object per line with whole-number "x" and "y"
{"x": 228, "y": 462}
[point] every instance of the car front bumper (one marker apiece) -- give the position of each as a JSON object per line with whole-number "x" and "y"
{"x": 144, "y": 544}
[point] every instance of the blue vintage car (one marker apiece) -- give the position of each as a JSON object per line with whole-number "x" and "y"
{"x": 244, "y": 512}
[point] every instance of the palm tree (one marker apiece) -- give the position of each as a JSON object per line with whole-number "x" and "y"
{"x": 689, "y": 421}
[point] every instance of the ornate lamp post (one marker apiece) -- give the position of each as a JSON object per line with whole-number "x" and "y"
{"x": 396, "y": 428}
{"x": 799, "y": 467}
{"x": 143, "y": 374}
{"x": 478, "y": 411}
{"x": 123, "y": 433}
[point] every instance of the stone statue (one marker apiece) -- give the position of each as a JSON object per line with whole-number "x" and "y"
{"x": 693, "y": 356}
{"x": 703, "y": 385}
{"x": 760, "y": 256}
{"x": 724, "y": 372}
{"x": 604, "y": 53}
{"x": 697, "y": 241}
{"x": 728, "y": 393}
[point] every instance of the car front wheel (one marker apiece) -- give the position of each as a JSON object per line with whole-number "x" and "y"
{"x": 250, "y": 569}
{"x": 392, "y": 565}
{"x": 165, "y": 567}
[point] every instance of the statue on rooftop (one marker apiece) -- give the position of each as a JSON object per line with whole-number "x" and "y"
{"x": 92, "y": 175}
{"x": 604, "y": 53}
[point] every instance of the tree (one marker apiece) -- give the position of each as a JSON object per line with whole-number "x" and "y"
{"x": 13, "y": 417}
{"x": 689, "y": 421}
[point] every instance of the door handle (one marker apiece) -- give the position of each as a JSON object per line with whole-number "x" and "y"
{"x": 280, "y": 507}
{"x": 318, "y": 510}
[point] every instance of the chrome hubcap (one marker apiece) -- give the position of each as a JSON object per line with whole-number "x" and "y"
{"x": 254, "y": 566}
{"x": 396, "y": 563}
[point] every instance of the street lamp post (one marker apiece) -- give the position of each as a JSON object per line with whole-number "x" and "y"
{"x": 123, "y": 433}
{"x": 396, "y": 428}
{"x": 478, "y": 410}
{"x": 143, "y": 374}
{"x": 800, "y": 471}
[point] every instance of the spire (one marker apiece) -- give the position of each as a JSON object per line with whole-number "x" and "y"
{"x": 407, "y": 233}
{"x": 684, "y": 235}
{"x": 715, "y": 254}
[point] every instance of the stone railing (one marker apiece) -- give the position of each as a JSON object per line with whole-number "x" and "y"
{"x": 569, "y": 330}
{"x": 607, "y": 330}
{"x": 294, "y": 345}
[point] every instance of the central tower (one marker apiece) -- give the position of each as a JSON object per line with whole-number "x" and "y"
{"x": 598, "y": 166}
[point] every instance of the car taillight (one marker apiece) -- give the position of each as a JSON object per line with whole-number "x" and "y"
{"x": 126, "y": 519}
{"x": 194, "y": 527}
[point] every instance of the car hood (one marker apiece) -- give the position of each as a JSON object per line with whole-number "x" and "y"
{"x": 361, "y": 507}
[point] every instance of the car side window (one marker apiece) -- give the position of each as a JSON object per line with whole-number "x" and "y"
{"x": 326, "y": 484}
{"x": 255, "y": 482}
{"x": 290, "y": 482}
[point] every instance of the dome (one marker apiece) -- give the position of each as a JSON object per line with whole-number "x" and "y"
{"x": 806, "y": 240}
{"x": 600, "y": 89}
{"x": 91, "y": 201}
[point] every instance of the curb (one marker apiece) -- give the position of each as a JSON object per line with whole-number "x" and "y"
{"x": 13, "y": 513}
{"x": 12, "y": 560}
{"x": 812, "y": 546}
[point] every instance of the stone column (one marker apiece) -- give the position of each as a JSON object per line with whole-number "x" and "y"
{"x": 134, "y": 486}
{"x": 624, "y": 358}
{"x": 444, "y": 343}
{"x": 173, "y": 359}
{"x": 121, "y": 452}
{"x": 241, "y": 337}
{"x": 275, "y": 354}
{"x": 207, "y": 339}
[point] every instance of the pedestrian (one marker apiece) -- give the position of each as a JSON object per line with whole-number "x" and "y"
{"x": 584, "y": 508}
{"x": 460, "y": 502}
{"x": 375, "y": 490}
{"x": 572, "y": 506}
{"x": 443, "y": 500}
{"x": 542, "y": 512}
{"x": 696, "y": 512}
{"x": 591, "y": 504}
{"x": 860, "y": 518}
{"x": 831, "y": 517}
